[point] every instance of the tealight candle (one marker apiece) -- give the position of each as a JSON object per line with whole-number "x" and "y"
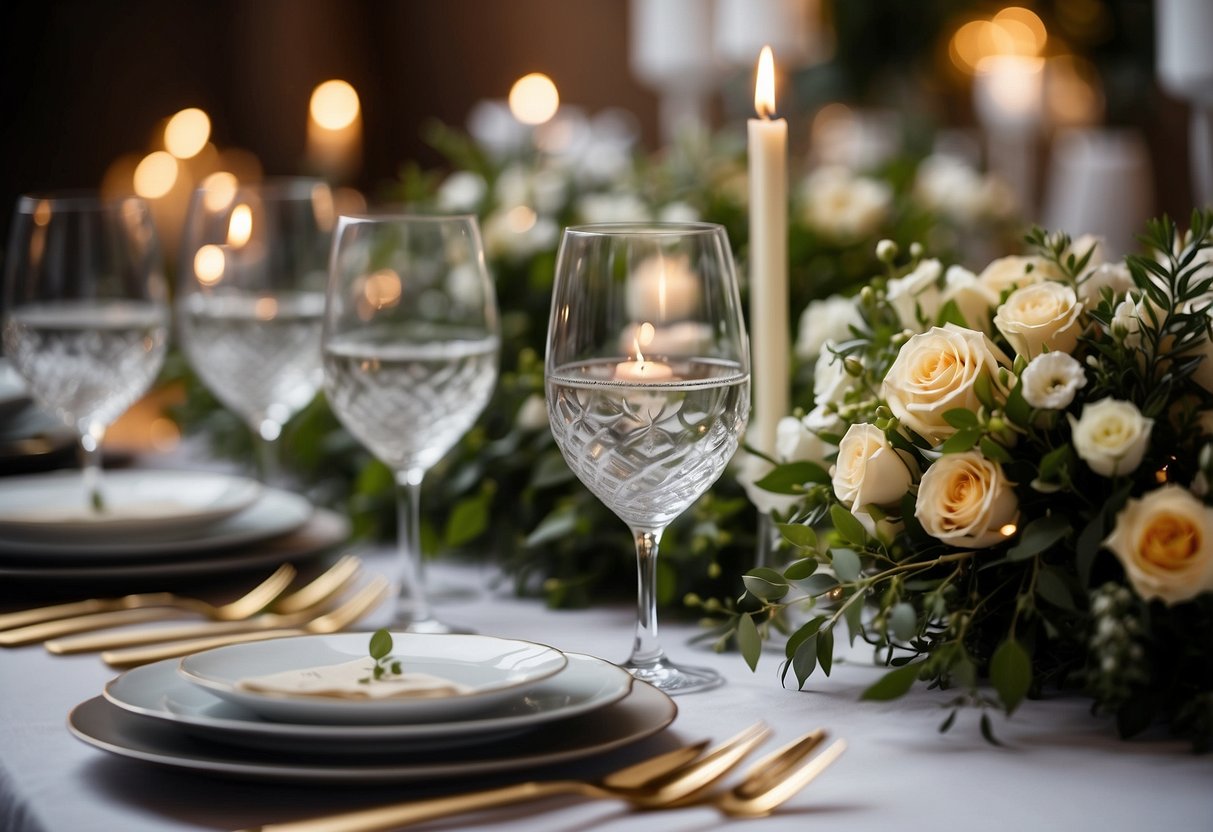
{"x": 643, "y": 369}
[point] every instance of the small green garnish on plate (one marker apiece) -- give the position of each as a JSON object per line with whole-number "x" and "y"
{"x": 381, "y": 652}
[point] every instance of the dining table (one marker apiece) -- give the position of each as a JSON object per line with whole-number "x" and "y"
{"x": 1055, "y": 765}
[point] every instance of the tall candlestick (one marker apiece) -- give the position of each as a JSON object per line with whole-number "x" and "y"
{"x": 769, "y": 339}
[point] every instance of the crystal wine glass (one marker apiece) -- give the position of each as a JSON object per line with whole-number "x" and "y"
{"x": 411, "y": 345}
{"x": 648, "y": 388}
{"x": 85, "y": 311}
{"x": 253, "y": 270}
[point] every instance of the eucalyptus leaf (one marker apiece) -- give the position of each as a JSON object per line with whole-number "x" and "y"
{"x": 1011, "y": 673}
{"x": 1039, "y": 535}
{"x": 894, "y": 684}
{"x": 801, "y": 569}
{"x": 825, "y": 650}
{"x": 748, "y": 640}
{"x": 903, "y": 621}
{"x": 846, "y": 564}
{"x": 961, "y": 441}
{"x": 847, "y": 526}
{"x": 765, "y": 583}
{"x": 381, "y": 644}
{"x": 799, "y": 535}
{"x": 804, "y": 660}
{"x": 1052, "y": 587}
{"x": 790, "y": 477}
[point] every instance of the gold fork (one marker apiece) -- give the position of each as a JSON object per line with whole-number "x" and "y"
{"x": 777, "y": 778}
{"x": 673, "y": 776}
{"x": 335, "y": 620}
{"x": 151, "y": 606}
{"x": 288, "y": 611}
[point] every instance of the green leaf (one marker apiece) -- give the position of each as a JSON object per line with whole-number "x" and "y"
{"x": 903, "y": 621}
{"x": 469, "y": 518}
{"x": 992, "y": 450}
{"x": 854, "y": 618}
{"x": 1052, "y": 587}
{"x": 1090, "y": 540}
{"x": 946, "y": 725}
{"x": 560, "y": 523}
{"x": 1011, "y": 673}
{"x": 847, "y": 526}
{"x": 1018, "y": 410}
{"x": 381, "y": 644}
{"x": 799, "y": 535}
{"x": 765, "y": 583}
{"x": 961, "y": 441}
{"x": 804, "y": 660}
{"x": 819, "y": 584}
{"x": 960, "y": 418}
{"x": 983, "y": 388}
{"x": 803, "y": 633}
{"x": 1054, "y": 463}
{"x": 951, "y": 314}
{"x": 846, "y": 564}
{"x": 1039, "y": 535}
{"x": 791, "y": 477}
{"x": 893, "y": 684}
{"x": 551, "y": 470}
{"x": 748, "y": 640}
{"x": 825, "y": 650}
{"x": 987, "y": 730}
{"x": 801, "y": 569}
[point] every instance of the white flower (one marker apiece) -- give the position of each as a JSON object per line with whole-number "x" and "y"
{"x": 869, "y": 471}
{"x": 1126, "y": 322}
{"x": 678, "y": 212}
{"x": 518, "y": 233}
{"x": 612, "y": 207}
{"x": 1051, "y": 381}
{"x": 1111, "y": 436}
{"x": 1009, "y": 272}
{"x": 1041, "y": 315}
{"x": 917, "y": 292}
{"x": 936, "y": 371}
{"x": 794, "y": 442}
{"x": 886, "y": 250}
{"x": 828, "y": 320}
{"x": 822, "y": 419}
{"x": 958, "y": 191}
{"x": 533, "y": 414}
{"x": 831, "y": 381}
{"x": 845, "y": 206}
{"x": 965, "y": 500}
{"x": 973, "y": 299}
{"x": 549, "y": 190}
{"x": 513, "y": 187}
{"x": 1164, "y": 541}
{"x": 462, "y": 191}
{"x": 1114, "y": 276}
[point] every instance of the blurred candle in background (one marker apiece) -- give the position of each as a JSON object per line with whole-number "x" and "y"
{"x": 334, "y": 131}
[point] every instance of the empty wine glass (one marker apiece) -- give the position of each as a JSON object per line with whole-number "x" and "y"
{"x": 85, "y": 311}
{"x": 411, "y": 348}
{"x": 648, "y": 388}
{"x": 251, "y": 299}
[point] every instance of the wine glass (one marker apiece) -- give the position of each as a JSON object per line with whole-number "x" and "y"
{"x": 85, "y": 311}
{"x": 254, "y": 264}
{"x": 411, "y": 345}
{"x": 648, "y": 388}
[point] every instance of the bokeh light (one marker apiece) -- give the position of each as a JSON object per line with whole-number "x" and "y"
{"x": 534, "y": 99}
{"x": 334, "y": 105}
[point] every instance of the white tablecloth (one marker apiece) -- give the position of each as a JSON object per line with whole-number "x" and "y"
{"x": 1060, "y": 768}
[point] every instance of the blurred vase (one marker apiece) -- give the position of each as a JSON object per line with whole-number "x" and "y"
{"x": 1183, "y": 32}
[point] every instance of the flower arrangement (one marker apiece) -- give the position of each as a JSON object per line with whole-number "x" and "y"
{"x": 1009, "y": 471}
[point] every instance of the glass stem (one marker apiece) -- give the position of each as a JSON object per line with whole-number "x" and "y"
{"x": 764, "y": 550}
{"x": 266, "y": 440}
{"x": 408, "y": 541}
{"x": 90, "y": 461}
{"x": 647, "y": 647}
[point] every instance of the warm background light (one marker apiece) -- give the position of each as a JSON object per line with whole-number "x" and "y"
{"x": 240, "y": 226}
{"x": 334, "y": 105}
{"x": 534, "y": 99}
{"x": 209, "y": 263}
{"x": 187, "y": 133}
{"x": 155, "y": 175}
{"x": 1013, "y": 31}
{"x": 219, "y": 189}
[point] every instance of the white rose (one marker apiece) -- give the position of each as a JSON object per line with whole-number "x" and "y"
{"x": 620, "y": 207}
{"x": 825, "y": 320}
{"x": 1111, "y": 436}
{"x": 935, "y": 371}
{"x": 1042, "y": 315}
{"x": 1164, "y": 541}
{"x": 869, "y": 470}
{"x": 965, "y": 500}
{"x": 917, "y": 292}
{"x": 462, "y": 191}
{"x": 1051, "y": 381}
{"x": 1114, "y": 276}
{"x": 794, "y": 442}
{"x": 533, "y": 414}
{"x": 1008, "y": 272}
{"x": 1080, "y": 245}
{"x": 831, "y": 381}
{"x": 678, "y": 212}
{"x": 973, "y": 298}
{"x": 822, "y": 419}
{"x": 842, "y": 205}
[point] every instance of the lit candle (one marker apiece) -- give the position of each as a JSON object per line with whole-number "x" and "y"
{"x": 334, "y": 130}
{"x": 643, "y": 369}
{"x": 1008, "y": 96}
{"x": 769, "y": 339}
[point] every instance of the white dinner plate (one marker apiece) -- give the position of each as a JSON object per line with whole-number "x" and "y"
{"x": 140, "y": 505}
{"x": 319, "y": 534}
{"x": 494, "y": 670}
{"x": 156, "y": 691}
{"x": 640, "y": 714}
{"x": 273, "y": 513}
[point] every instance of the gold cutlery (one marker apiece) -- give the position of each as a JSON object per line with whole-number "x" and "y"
{"x": 337, "y": 619}
{"x": 288, "y": 611}
{"x": 152, "y": 606}
{"x": 671, "y": 777}
{"x": 776, "y": 778}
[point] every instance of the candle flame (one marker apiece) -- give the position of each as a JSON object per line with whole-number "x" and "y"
{"x": 534, "y": 99}
{"x": 643, "y": 337}
{"x": 334, "y": 105}
{"x": 240, "y": 226}
{"x": 764, "y": 87}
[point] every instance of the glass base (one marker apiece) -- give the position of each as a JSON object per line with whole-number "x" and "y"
{"x": 674, "y": 679}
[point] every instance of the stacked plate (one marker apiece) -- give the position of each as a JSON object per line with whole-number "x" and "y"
{"x": 518, "y": 705}
{"x": 157, "y": 524}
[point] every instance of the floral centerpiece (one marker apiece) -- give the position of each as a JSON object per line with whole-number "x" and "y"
{"x": 1005, "y": 475}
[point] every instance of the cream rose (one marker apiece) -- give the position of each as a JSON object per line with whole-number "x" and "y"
{"x": 935, "y": 371}
{"x": 869, "y": 470}
{"x": 831, "y": 381}
{"x": 1111, "y": 436}
{"x": 965, "y": 500}
{"x": 1164, "y": 541}
{"x": 825, "y": 321}
{"x": 1113, "y": 276}
{"x": 973, "y": 298}
{"x": 1051, "y": 381}
{"x": 1042, "y": 315}
{"x": 1009, "y": 272}
{"x": 917, "y": 292}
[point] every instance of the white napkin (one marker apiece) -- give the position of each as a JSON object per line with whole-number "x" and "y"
{"x": 344, "y": 681}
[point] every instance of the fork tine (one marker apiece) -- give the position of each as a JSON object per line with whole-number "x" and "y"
{"x": 261, "y": 595}
{"x": 320, "y": 588}
{"x": 637, "y": 775}
{"x": 763, "y": 803}
{"x": 688, "y": 783}
{"x": 773, "y": 766}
